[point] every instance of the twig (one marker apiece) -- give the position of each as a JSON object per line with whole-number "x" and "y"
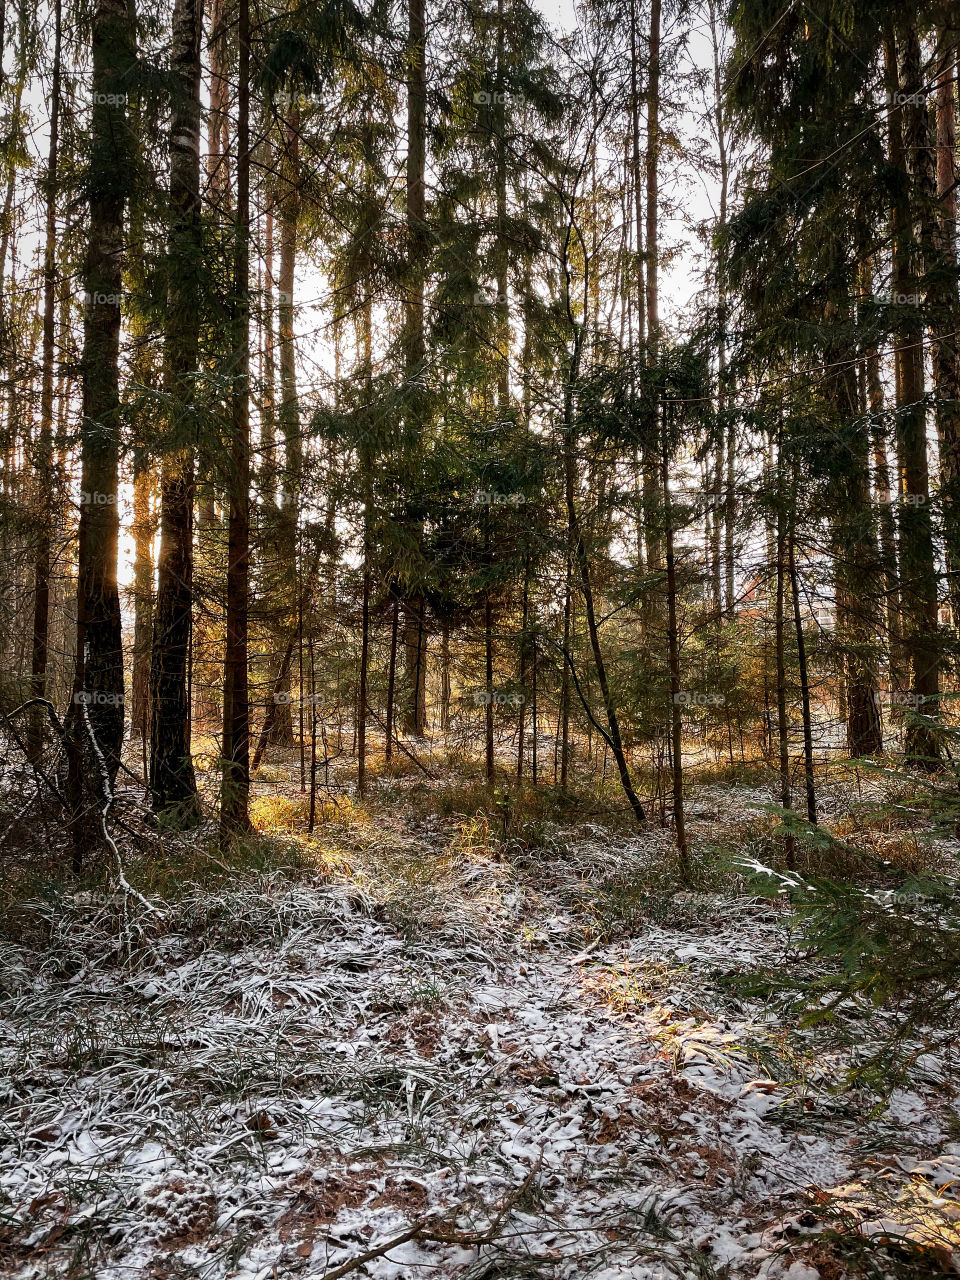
{"x": 419, "y": 1230}
{"x": 103, "y": 813}
{"x": 406, "y": 750}
{"x": 36, "y": 702}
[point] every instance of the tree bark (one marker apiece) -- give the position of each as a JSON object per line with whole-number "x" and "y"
{"x": 445, "y": 690}
{"x": 886, "y": 524}
{"x": 523, "y": 667}
{"x": 144, "y": 528}
{"x": 98, "y": 687}
{"x": 173, "y": 783}
{"x": 943, "y": 302}
{"x": 811, "y": 794}
{"x": 907, "y": 136}
{"x": 856, "y": 567}
{"x": 392, "y": 680}
{"x": 366, "y": 475}
{"x": 289, "y": 216}
{"x": 641, "y": 286}
{"x": 783, "y": 742}
{"x": 583, "y": 564}
{"x": 565, "y": 679}
{"x": 44, "y": 459}
{"x": 235, "y": 790}
{"x": 413, "y": 716}
{"x": 673, "y": 646}
{"x": 488, "y": 670}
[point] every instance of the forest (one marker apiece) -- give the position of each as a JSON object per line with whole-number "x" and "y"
{"x": 479, "y": 639}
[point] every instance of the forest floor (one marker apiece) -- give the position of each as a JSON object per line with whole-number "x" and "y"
{"x": 532, "y": 1056}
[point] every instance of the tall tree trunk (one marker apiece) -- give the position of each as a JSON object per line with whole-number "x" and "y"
{"x": 802, "y": 667}
{"x": 218, "y": 119}
{"x": 907, "y": 136}
{"x": 886, "y": 524}
{"x": 723, "y": 498}
{"x": 729, "y": 518}
{"x": 392, "y": 679}
{"x": 534, "y": 726}
{"x": 205, "y": 636}
{"x": 172, "y": 779}
{"x": 414, "y": 709}
{"x": 445, "y": 676}
{"x": 652, "y": 248}
{"x": 366, "y": 476}
{"x": 943, "y": 302}
{"x": 235, "y": 791}
{"x": 565, "y": 678}
{"x": 523, "y": 666}
{"x": 144, "y": 528}
{"x": 503, "y": 242}
{"x": 414, "y": 717}
{"x": 652, "y": 497}
{"x": 268, "y": 414}
{"x": 24, "y": 44}
{"x": 783, "y": 740}
{"x": 279, "y": 690}
{"x": 582, "y": 559}
{"x": 289, "y": 211}
{"x": 98, "y": 709}
{"x": 488, "y": 674}
{"x": 44, "y": 458}
{"x": 362, "y": 695}
{"x": 857, "y": 566}
{"x": 673, "y": 646}
{"x": 636, "y": 176}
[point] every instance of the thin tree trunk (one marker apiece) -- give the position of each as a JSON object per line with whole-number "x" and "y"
{"x": 583, "y": 564}
{"x": 289, "y": 216}
{"x": 641, "y": 286}
{"x": 366, "y": 474}
{"x": 652, "y": 497}
{"x": 488, "y": 669}
{"x": 415, "y": 666}
{"x": 362, "y": 695}
{"x": 673, "y": 645}
{"x": 652, "y": 251}
{"x": 565, "y": 680}
{"x": 804, "y": 677}
{"x": 445, "y": 676}
{"x": 268, "y": 415}
{"x": 783, "y": 741}
{"x": 414, "y": 709}
{"x": 392, "y": 680}
{"x": 206, "y": 705}
{"x": 279, "y": 695}
{"x": 44, "y": 461}
{"x": 313, "y": 742}
{"x": 144, "y": 529}
{"x": 723, "y": 510}
{"x": 944, "y": 303}
{"x": 15, "y": 119}
{"x": 235, "y": 792}
{"x": 503, "y": 242}
{"x": 533, "y": 720}
{"x": 886, "y": 524}
{"x": 523, "y": 666}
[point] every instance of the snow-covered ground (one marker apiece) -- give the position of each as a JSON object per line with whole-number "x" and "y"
{"x": 446, "y": 1045}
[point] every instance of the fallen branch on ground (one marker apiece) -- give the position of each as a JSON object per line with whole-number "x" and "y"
{"x": 422, "y": 1230}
